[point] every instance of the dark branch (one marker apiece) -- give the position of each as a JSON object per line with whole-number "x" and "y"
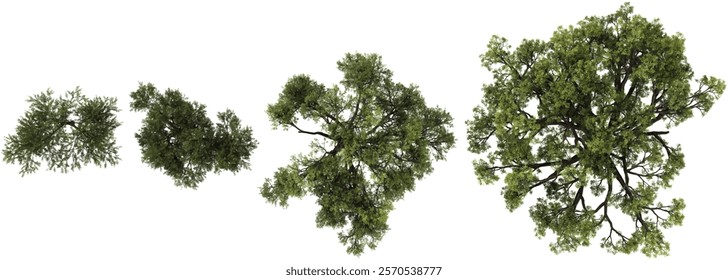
{"x": 656, "y": 132}
{"x": 664, "y": 145}
{"x": 577, "y": 198}
{"x": 544, "y": 180}
{"x": 606, "y": 200}
{"x": 58, "y": 128}
{"x": 563, "y": 162}
{"x": 312, "y": 133}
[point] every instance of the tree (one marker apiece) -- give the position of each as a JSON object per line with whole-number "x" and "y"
{"x": 66, "y": 132}
{"x": 583, "y": 118}
{"x": 180, "y": 139}
{"x": 376, "y": 138}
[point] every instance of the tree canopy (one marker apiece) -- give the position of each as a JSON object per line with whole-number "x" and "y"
{"x": 180, "y": 139}
{"x": 375, "y": 139}
{"x": 66, "y": 132}
{"x": 583, "y": 119}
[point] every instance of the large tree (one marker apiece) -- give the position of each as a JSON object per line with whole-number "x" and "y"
{"x": 179, "y": 138}
{"x": 582, "y": 119}
{"x": 66, "y": 131}
{"x": 376, "y": 138}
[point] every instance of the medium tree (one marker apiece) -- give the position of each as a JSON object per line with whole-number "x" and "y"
{"x": 376, "y": 138}
{"x": 66, "y": 132}
{"x": 582, "y": 119}
{"x": 180, "y": 139}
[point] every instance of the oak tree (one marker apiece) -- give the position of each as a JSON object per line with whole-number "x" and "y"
{"x": 582, "y": 119}
{"x": 66, "y": 132}
{"x": 178, "y": 137}
{"x": 375, "y": 139}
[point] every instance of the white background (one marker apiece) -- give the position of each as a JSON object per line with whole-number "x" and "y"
{"x": 131, "y": 222}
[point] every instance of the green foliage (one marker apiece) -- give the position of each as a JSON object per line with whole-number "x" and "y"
{"x": 66, "y": 132}
{"x": 179, "y": 138}
{"x": 583, "y": 117}
{"x": 376, "y": 138}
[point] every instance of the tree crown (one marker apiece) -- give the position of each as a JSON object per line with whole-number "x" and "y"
{"x": 66, "y": 132}
{"x": 376, "y": 138}
{"x": 583, "y": 117}
{"x": 179, "y": 138}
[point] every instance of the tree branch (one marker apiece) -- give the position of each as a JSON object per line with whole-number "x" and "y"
{"x": 356, "y": 110}
{"x": 656, "y": 132}
{"x": 551, "y": 177}
{"x": 606, "y": 199}
{"x": 621, "y": 181}
{"x": 309, "y": 132}
{"x": 58, "y": 128}
{"x": 563, "y": 162}
{"x": 577, "y": 198}
{"x": 384, "y": 120}
{"x": 664, "y": 145}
